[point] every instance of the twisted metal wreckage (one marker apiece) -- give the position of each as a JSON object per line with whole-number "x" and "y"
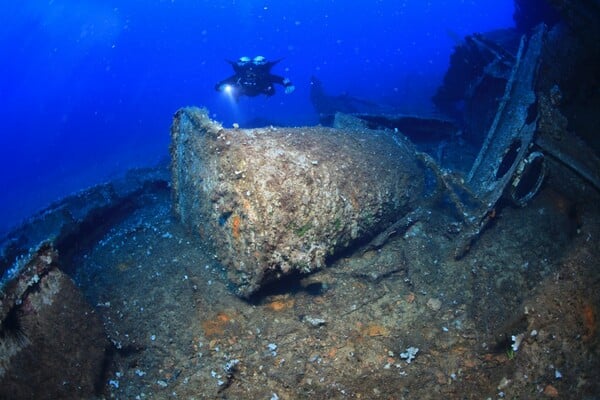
{"x": 511, "y": 163}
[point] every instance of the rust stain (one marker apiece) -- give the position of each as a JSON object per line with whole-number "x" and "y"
{"x": 460, "y": 350}
{"x": 216, "y": 326}
{"x": 375, "y": 330}
{"x": 332, "y": 353}
{"x": 550, "y": 391}
{"x": 280, "y": 304}
{"x": 589, "y": 322}
{"x": 235, "y": 226}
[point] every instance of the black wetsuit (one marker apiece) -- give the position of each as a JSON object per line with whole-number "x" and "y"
{"x": 252, "y": 79}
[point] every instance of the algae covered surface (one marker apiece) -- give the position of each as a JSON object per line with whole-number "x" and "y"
{"x": 281, "y": 200}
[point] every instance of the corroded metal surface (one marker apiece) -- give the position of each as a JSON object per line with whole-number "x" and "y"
{"x": 52, "y": 343}
{"x": 513, "y": 126}
{"x": 79, "y": 217}
{"x": 279, "y": 200}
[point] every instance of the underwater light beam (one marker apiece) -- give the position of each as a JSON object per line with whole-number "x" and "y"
{"x": 229, "y": 91}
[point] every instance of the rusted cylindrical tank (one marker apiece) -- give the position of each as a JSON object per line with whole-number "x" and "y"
{"x": 278, "y": 200}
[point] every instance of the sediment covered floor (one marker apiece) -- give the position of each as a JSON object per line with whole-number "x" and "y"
{"x": 349, "y": 331}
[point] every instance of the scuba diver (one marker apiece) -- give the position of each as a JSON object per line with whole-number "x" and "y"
{"x": 253, "y": 77}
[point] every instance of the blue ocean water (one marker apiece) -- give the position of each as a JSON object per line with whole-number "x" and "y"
{"x": 88, "y": 88}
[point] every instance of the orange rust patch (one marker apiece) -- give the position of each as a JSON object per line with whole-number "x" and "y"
{"x": 589, "y": 322}
{"x": 235, "y": 226}
{"x": 550, "y": 391}
{"x": 470, "y": 363}
{"x": 280, "y": 305}
{"x": 459, "y": 350}
{"x": 331, "y": 353}
{"x": 216, "y": 326}
{"x": 375, "y": 330}
{"x": 223, "y": 317}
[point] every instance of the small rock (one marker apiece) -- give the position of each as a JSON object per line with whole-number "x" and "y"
{"x": 434, "y": 304}
{"x": 314, "y": 321}
{"x": 410, "y": 354}
{"x": 162, "y": 383}
{"x": 504, "y": 382}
